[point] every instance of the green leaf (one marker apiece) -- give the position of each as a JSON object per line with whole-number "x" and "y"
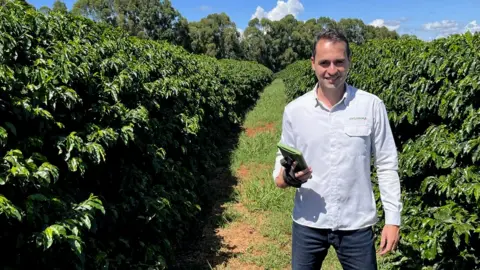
{"x": 8, "y": 209}
{"x": 48, "y": 236}
{"x": 76, "y": 164}
{"x": 86, "y": 221}
{"x": 42, "y": 113}
{"x": 71, "y": 142}
{"x": 93, "y": 202}
{"x": 47, "y": 172}
{"x": 73, "y": 164}
{"x": 127, "y": 134}
{"x": 37, "y": 197}
{"x": 77, "y": 247}
{"x": 456, "y": 240}
{"x": 58, "y": 230}
{"x": 48, "y": 232}
{"x": 96, "y": 152}
{"x": 476, "y": 192}
{"x": 15, "y": 153}
{"x": 11, "y": 127}
{"x": 19, "y": 171}
{"x": 3, "y": 136}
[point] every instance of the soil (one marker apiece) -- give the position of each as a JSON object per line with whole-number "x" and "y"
{"x": 239, "y": 237}
{"x": 221, "y": 247}
{"x": 233, "y": 241}
{"x": 243, "y": 172}
{"x": 269, "y": 127}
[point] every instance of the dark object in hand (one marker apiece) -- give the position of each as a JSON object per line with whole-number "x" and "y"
{"x": 289, "y": 173}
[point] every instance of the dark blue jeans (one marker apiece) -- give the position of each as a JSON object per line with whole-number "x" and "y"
{"x": 355, "y": 249}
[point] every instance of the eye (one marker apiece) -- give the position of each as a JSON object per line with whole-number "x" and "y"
{"x": 324, "y": 63}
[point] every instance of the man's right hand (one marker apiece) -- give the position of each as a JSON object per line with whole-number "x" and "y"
{"x": 303, "y": 175}
{"x": 287, "y": 177}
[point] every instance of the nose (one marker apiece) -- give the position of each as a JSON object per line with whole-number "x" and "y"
{"x": 332, "y": 69}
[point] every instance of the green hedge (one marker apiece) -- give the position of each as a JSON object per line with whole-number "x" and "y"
{"x": 107, "y": 142}
{"x": 432, "y": 93}
{"x": 298, "y": 78}
{"x": 245, "y": 77}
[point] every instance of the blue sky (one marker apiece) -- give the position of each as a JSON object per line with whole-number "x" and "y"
{"x": 427, "y": 19}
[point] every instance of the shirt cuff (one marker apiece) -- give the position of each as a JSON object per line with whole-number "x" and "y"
{"x": 392, "y": 218}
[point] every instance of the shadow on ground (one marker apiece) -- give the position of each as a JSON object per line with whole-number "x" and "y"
{"x": 204, "y": 249}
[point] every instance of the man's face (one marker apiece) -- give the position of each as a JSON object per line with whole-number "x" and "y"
{"x": 331, "y": 64}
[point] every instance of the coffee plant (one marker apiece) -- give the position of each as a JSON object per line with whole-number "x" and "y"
{"x": 107, "y": 142}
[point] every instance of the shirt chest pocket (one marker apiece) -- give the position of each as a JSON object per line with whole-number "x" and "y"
{"x": 356, "y": 139}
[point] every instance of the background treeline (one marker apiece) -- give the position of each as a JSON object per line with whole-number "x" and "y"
{"x": 107, "y": 141}
{"x": 274, "y": 44}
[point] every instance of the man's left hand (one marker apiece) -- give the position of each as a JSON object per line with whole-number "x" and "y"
{"x": 390, "y": 238}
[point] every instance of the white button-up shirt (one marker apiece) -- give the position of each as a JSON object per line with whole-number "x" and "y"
{"x": 338, "y": 144}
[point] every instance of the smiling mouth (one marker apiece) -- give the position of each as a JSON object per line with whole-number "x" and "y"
{"x": 332, "y": 79}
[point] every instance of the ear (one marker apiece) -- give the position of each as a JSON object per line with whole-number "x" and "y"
{"x": 312, "y": 60}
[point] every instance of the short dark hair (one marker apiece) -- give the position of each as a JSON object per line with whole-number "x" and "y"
{"x": 331, "y": 34}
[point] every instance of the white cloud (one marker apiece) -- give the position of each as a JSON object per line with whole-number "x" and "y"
{"x": 445, "y": 27}
{"x": 281, "y": 10}
{"x": 391, "y": 25}
{"x": 472, "y": 27}
{"x": 205, "y": 8}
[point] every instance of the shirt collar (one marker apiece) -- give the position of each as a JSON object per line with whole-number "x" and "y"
{"x": 345, "y": 99}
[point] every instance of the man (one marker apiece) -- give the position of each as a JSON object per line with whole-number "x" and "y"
{"x": 338, "y": 128}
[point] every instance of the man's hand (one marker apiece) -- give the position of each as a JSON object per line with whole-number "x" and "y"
{"x": 287, "y": 177}
{"x": 302, "y": 175}
{"x": 389, "y": 240}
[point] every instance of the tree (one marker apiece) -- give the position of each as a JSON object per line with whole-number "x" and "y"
{"x": 373, "y": 32}
{"x": 59, "y": 6}
{"x": 97, "y": 10}
{"x": 254, "y": 46}
{"x": 44, "y": 10}
{"x": 216, "y": 35}
{"x": 408, "y": 36}
{"x": 326, "y": 23}
{"x": 152, "y": 19}
{"x": 354, "y": 29}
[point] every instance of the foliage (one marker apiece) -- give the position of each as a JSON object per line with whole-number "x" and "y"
{"x": 432, "y": 93}
{"x": 215, "y": 35}
{"x": 277, "y": 44}
{"x": 107, "y": 141}
{"x": 298, "y": 78}
{"x": 59, "y": 6}
{"x": 246, "y": 77}
{"x": 152, "y": 19}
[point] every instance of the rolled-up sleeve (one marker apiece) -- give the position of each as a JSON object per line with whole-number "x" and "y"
{"x": 386, "y": 163}
{"x": 285, "y": 138}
